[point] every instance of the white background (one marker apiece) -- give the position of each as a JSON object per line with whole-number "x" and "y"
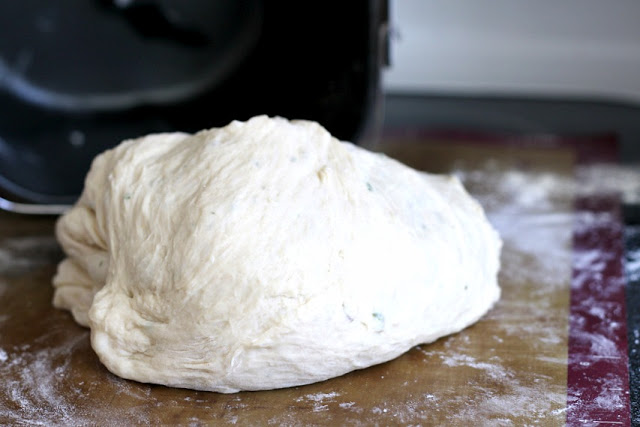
{"x": 567, "y": 48}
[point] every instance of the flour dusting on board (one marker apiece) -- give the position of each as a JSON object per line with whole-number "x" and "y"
{"x": 36, "y": 397}
{"x": 42, "y": 391}
{"x": 19, "y": 255}
{"x": 318, "y": 400}
{"x": 532, "y": 232}
{"x": 632, "y": 256}
{"x": 533, "y": 213}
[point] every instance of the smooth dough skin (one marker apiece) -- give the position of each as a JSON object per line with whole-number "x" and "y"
{"x": 267, "y": 254}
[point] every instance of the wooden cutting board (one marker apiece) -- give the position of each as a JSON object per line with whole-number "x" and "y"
{"x": 508, "y": 369}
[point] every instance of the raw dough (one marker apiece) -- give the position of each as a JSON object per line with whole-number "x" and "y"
{"x": 267, "y": 254}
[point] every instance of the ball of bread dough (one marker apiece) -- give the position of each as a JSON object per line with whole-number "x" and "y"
{"x": 267, "y": 254}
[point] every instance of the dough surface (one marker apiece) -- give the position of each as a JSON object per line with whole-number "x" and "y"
{"x": 267, "y": 254}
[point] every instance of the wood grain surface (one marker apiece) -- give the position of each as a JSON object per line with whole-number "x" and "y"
{"x": 508, "y": 369}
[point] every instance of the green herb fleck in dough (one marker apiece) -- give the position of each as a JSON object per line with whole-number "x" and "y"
{"x": 379, "y": 325}
{"x": 369, "y": 186}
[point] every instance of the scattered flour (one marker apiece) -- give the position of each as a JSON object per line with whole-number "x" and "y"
{"x": 34, "y": 385}
{"x": 537, "y": 191}
{"x": 494, "y": 370}
{"x": 20, "y": 255}
{"x": 319, "y": 397}
{"x": 623, "y": 180}
{"x": 319, "y": 400}
{"x": 632, "y": 256}
{"x": 534, "y": 215}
